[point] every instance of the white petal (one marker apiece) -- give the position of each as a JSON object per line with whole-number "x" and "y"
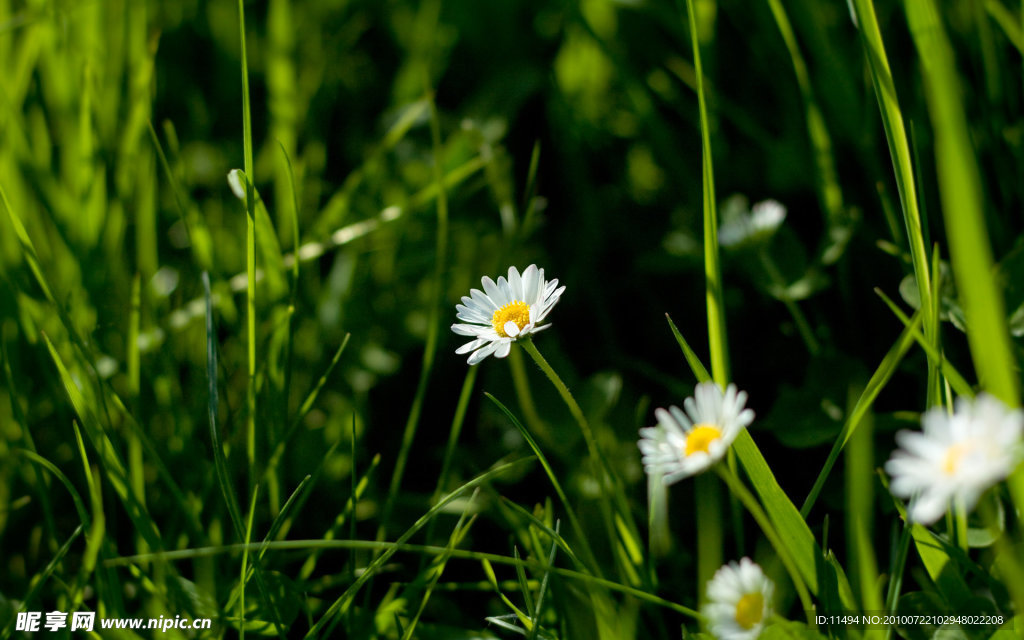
{"x": 505, "y": 288}
{"x": 470, "y": 346}
{"x": 482, "y": 353}
{"x": 515, "y": 282}
{"x": 503, "y": 349}
{"x": 496, "y": 295}
{"x": 483, "y": 300}
{"x": 470, "y": 329}
{"x": 530, "y": 284}
{"x": 511, "y": 329}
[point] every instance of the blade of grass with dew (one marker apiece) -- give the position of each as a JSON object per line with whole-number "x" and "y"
{"x": 433, "y": 322}
{"x": 591, "y": 561}
{"x": 949, "y": 372}
{"x": 38, "y": 580}
{"x": 876, "y": 383}
{"x": 339, "y": 605}
{"x": 250, "y": 254}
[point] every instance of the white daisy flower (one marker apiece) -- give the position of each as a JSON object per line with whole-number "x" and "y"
{"x": 739, "y": 601}
{"x": 686, "y": 443}
{"x": 744, "y": 227}
{"x": 956, "y": 457}
{"x": 505, "y": 311}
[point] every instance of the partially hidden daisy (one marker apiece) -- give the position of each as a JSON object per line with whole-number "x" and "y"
{"x": 955, "y": 458}
{"x": 505, "y": 311}
{"x": 684, "y": 443}
{"x": 750, "y": 227}
{"x": 739, "y": 601}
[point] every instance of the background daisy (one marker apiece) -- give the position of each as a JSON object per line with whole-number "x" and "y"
{"x": 739, "y": 601}
{"x": 685, "y": 443}
{"x": 955, "y": 457}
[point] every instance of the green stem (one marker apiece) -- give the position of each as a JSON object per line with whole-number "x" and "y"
{"x": 736, "y": 487}
{"x": 803, "y": 327}
{"x": 570, "y": 401}
{"x": 960, "y": 519}
{"x": 522, "y": 386}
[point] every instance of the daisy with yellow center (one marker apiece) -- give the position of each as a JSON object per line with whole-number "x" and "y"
{"x": 955, "y": 458}
{"x": 685, "y": 443}
{"x": 739, "y": 601}
{"x": 505, "y": 311}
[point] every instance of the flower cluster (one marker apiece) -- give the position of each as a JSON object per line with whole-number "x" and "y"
{"x": 954, "y": 459}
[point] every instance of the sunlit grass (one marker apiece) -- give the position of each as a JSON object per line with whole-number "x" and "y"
{"x": 229, "y": 391}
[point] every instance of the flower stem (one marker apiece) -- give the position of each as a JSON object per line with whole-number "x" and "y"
{"x": 522, "y": 386}
{"x": 960, "y": 520}
{"x": 736, "y": 487}
{"x": 570, "y": 401}
{"x": 802, "y": 325}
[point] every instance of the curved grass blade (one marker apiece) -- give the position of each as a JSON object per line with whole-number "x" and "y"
{"x": 591, "y": 561}
{"x": 339, "y": 605}
{"x": 878, "y": 380}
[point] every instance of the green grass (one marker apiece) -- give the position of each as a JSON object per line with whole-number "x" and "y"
{"x": 277, "y": 435}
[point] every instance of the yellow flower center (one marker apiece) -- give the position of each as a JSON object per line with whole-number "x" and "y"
{"x": 750, "y": 610}
{"x": 701, "y": 437}
{"x": 953, "y": 457}
{"x": 515, "y": 311}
